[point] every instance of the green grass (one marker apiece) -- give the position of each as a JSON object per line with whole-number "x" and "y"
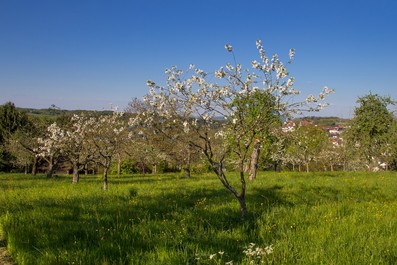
{"x": 316, "y": 218}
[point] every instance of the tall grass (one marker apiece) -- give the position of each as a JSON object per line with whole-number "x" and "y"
{"x": 324, "y": 218}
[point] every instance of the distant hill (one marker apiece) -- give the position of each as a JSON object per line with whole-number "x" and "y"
{"x": 54, "y": 112}
{"x": 325, "y": 121}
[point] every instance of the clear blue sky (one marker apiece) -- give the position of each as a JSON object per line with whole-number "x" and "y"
{"x": 81, "y": 54}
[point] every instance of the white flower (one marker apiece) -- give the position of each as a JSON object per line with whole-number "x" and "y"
{"x": 291, "y": 54}
{"x": 244, "y": 91}
{"x": 220, "y": 73}
{"x": 186, "y": 128}
{"x": 290, "y": 82}
{"x": 229, "y": 48}
{"x": 220, "y": 134}
{"x": 255, "y": 64}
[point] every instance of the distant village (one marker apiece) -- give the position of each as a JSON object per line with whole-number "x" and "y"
{"x": 334, "y": 131}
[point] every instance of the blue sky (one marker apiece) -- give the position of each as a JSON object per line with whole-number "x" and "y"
{"x": 81, "y": 54}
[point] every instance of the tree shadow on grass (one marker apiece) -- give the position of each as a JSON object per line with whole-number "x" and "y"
{"x": 121, "y": 226}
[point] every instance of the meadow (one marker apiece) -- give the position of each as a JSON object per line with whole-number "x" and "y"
{"x": 293, "y": 218}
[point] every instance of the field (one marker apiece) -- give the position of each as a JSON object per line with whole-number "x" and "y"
{"x": 317, "y": 218}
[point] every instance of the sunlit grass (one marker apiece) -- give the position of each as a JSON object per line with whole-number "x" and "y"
{"x": 316, "y": 218}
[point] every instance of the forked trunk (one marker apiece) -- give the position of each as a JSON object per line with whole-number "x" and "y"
{"x": 240, "y": 197}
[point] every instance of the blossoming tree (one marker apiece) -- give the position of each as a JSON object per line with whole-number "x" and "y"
{"x": 50, "y": 147}
{"x": 228, "y": 118}
{"x": 108, "y": 134}
{"x": 77, "y": 146}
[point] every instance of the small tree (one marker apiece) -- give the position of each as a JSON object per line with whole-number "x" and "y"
{"x": 228, "y": 118}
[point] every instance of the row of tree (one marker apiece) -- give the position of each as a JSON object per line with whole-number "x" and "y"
{"x": 228, "y": 120}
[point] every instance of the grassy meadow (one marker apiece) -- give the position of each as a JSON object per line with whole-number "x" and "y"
{"x": 294, "y": 218}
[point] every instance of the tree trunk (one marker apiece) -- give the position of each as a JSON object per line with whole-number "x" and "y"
{"x": 187, "y": 171}
{"x": 143, "y": 166}
{"x": 189, "y": 158}
{"x": 50, "y": 169}
{"x": 307, "y": 167}
{"x": 243, "y": 207}
{"x": 119, "y": 167}
{"x": 241, "y": 196}
{"x": 75, "y": 174}
{"x": 154, "y": 169}
{"x": 254, "y": 159}
{"x": 34, "y": 166}
{"x": 105, "y": 179}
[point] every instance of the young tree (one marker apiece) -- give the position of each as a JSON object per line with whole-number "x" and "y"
{"x": 228, "y": 118}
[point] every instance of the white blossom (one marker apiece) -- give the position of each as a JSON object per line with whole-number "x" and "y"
{"x": 220, "y": 73}
{"x": 228, "y": 47}
{"x": 291, "y": 54}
